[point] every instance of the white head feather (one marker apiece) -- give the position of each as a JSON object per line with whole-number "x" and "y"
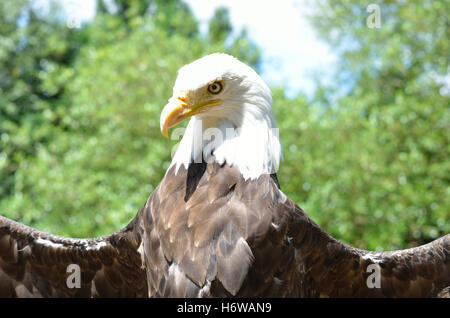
{"x": 242, "y": 125}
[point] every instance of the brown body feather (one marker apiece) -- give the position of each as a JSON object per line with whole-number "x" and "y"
{"x": 207, "y": 232}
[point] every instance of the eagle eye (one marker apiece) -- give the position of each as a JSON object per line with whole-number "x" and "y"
{"x": 215, "y": 88}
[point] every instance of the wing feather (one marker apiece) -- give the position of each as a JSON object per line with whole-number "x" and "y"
{"x": 36, "y": 264}
{"x": 329, "y": 268}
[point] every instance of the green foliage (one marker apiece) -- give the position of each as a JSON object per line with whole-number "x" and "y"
{"x": 405, "y": 55}
{"x": 220, "y": 26}
{"x": 220, "y": 34}
{"x": 391, "y": 140}
{"x": 34, "y": 67}
{"x": 80, "y": 147}
{"x": 377, "y": 182}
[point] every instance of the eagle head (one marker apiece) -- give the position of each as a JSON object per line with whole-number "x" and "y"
{"x": 231, "y": 117}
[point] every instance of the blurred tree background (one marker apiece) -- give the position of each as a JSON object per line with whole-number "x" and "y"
{"x": 80, "y": 149}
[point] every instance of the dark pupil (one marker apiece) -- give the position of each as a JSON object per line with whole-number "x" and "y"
{"x": 214, "y": 87}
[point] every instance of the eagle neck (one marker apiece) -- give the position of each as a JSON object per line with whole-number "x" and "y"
{"x": 249, "y": 142}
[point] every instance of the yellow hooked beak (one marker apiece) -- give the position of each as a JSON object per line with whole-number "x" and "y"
{"x": 179, "y": 109}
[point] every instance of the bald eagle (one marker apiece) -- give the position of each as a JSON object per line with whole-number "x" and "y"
{"x": 218, "y": 224}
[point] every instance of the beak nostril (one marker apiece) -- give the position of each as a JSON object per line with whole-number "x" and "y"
{"x": 182, "y": 99}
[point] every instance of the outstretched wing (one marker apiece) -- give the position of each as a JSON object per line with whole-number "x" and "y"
{"x": 329, "y": 268}
{"x": 38, "y": 264}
